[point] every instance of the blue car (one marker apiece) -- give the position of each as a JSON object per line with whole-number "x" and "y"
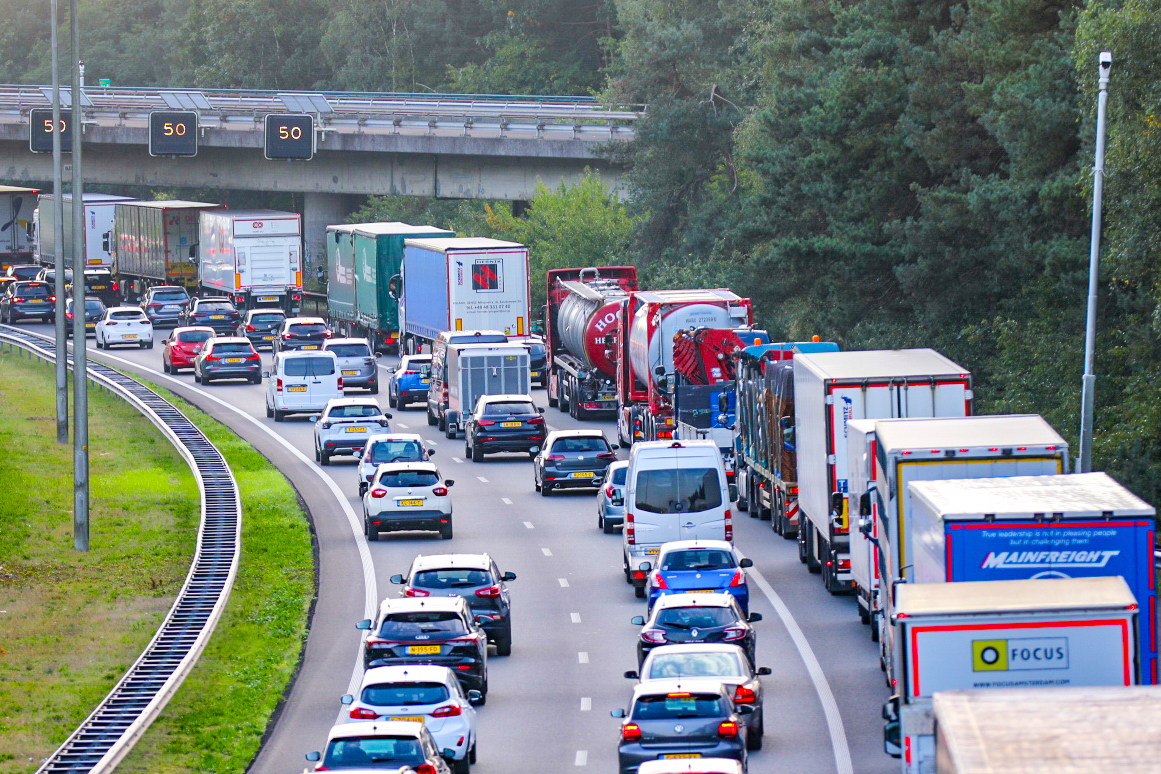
{"x": 699, "y": 566}
{"x": 409, "y": 381}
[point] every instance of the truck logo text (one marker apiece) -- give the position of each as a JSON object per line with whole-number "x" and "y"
{"x": 1023, "y": 653}
{"x": 1005, "y": 560}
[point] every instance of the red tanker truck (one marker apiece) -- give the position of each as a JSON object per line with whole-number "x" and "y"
{"x": 579, "y": 319}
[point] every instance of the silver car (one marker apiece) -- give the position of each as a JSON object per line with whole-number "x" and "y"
{"x": 357, "y": 363}
{"x": 611, "y": 498}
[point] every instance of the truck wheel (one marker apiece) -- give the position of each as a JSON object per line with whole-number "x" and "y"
{"x": 864, "y": 614}
{"x": 751, "y": 499}
{"x": 743, "y": 503}
{"x": 802, "y": 531}
{"x": 441, "y": 422}
{"x": 563, "y": 403}
{"x": 552, "y": 402}
{"x": 816, "y": 550}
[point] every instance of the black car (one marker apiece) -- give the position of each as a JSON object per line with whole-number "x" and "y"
{"x": 100, "y": 283}
{"x": 432, "y": 630}
{"x": 227, "y": 358}
{"x": 711, "y": 617}
{"x": 27, "y": 299}
{"x": 538, "y": 360}
{"x": 164, "y": 305}
{"x": 93, "y": 311}
{"x": 474, "y": 577}
{"x": 47, "y": 275}
{"x": 217, "y": 313}
{"x": 261, "y": 326}
{"x": 24, "y": 271}
{"x": 504, "y": 423}
{"x": 301, "y": 333}
{"x": 572, "y": 459}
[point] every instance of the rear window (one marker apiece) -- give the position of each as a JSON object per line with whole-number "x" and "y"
{"x": 36, "y": 290}
{"x": 215, "y": 306}
{"x": 422, "y": 622}
{"x": 309, "y": 366}
{"x": 349, "y": 350}
{"x": 373, "y": 752}
{"x": 678, "y": 705}
{"x": 127, "y": 315}
{"x": 404, "y": 694}
{"x": 232, "y": 348}
{"x": 504, "y": 408}
{"x": 25, "y": 272}
{"x": 267, "y": 319}
{"x": 619, "y": 475}
{"x": 671, "y": 665}
{"x": 451, "y": 578}
{"x": 94, "y": 306}
{"x": 698, "y": 559}
{"x": 170, "y": 295}
{"x": 580, "y": 445}
{"x": 307, "y": 329}
{"x": 695, "y": 617}
{"x": 410, "y": 478}
{"x": 194, "y": 337}
{"x": 98, "y": 279}
{"x": 686, "y": 490}
{"x": 396, "y": 451}
{"x": 422, "y": 366}
{"x": 339, "y": 412}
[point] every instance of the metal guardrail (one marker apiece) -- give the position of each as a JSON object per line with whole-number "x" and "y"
{"x": 107, "y": 735}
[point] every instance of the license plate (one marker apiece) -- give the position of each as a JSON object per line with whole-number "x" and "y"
{"x": 417, "y": 649}
{"x": 607, "y": 397}
{"x": 672, "y": 756}
{"x": 296, "y": 388}
{"x": 349, "y": 373}
{"x": 652, "y": 551}
{"x": 130, "y": 336}
{"x": 511, "y": 424}
{"x": 410, "y": 718}
{"x": 356, "y": 429}
{"x": 171, "y": 308}
{"x": 235, "y": 360}
{"x": 36, "y": 300}
{"x": 583, "y": 474}
{"x": 310, "y": 346}
{"x": 699, "y": 591}
{"x": 217, "y": 316}
{"x": 535, "y": 374}
{"x": 411, "y": 503}
{"x": 267, "y": 298}
{"x": 98, "y": 287}
{"x": 268, "y": 338}
{"x": 425, "y": 381}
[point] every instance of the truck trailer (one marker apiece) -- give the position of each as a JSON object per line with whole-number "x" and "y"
{"x": 100, "y": 214}
{"x": 1074, "y": 526}
{"x": 460, "y": 284}
{"x": 831, "y": 389}
{"x": 252, "y": 257}
{"x": 473, "y": 370}
{"x": 17, "y": 230}
{"x": 152, "y": 244}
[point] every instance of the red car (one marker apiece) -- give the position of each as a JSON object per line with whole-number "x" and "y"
{"x": 179, "y": 347}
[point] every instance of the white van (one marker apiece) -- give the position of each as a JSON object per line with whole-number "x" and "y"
{"x": 301, "y": 382}
{"x": 674, "y": 490}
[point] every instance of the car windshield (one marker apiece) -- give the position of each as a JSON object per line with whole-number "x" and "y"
{"x": 698, "y": 559}
{"x": 422, "y": 622}
{"x": 695, "y": 617}
{"x": 33, "y": 289}
{"x": 349, "y": 350}
{"x": 536, "y": 349}
{"x": 268, "y": 319}
{"x": 170, "y": 295}
{"x": 194, "y": 337}
{"x": 504, "y": 408}
{"x": 232, "y": 348}
{"x": 126, "y": 315}
{"x": 308, "y": 329}
{"x": 310, "y": 366}
{"x": 404, "y": 694}
{"x": 683, "y": 490}
{"x": 562, "y": 445}
{"x": 669, "y": 665}
{"x": 396, "y": 451}
{"x": 674, "y": 706}
{"x": 451, "y": 578}
{"x": 340, "y": 412}
{"x": 215, "y": 306}
{"x": 373, "y": 752}
{"x": 409, "y": 478}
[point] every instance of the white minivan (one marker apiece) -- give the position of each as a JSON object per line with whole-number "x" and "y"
{"x": 674, "y": 490}
{"x": 301, "y": 382}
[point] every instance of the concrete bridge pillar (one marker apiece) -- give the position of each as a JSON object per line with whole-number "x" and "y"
{"x": 319, "y": 211}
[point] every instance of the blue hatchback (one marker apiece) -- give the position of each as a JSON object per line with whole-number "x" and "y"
{"x": 409, "y": 381}
{"x": 699, "y": 566}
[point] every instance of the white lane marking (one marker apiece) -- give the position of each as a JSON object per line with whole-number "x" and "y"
{"x": 482, "y": 479}
{"x": 529, "y": 525}
{"x": 430, "y": 442}
{"x": 547, "y": 552}
{"x": 575, "y": 617}
{"x": 505, "y": 500}
{"x": 400, "y": 424}
{"x": 834, "y": 721}
{"x": 563, "y": 582}
{"x": 582, "y": 757}
{"x": 586, "y": 704}
{"x": 582, "y": 657}
{"x": 456, "y": 459}
{"x": 370, "y": 587}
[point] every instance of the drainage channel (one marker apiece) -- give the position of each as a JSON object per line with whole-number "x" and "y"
{"x": 107, "y": 735}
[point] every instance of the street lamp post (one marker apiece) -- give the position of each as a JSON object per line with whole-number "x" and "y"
{"x": 62, "y": 372}
{"x": 80, "y": 366}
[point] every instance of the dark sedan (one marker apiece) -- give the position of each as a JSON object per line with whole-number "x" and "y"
{"x": 99, "y": 283}
{"x": 217, "y": 313}
{"x": 504, "y": 423}
{"x": 27, "y": 299}
{"x": 697, "y": 618}
{"x": 227, "y": 358}
{"x": 93, "y": 311}
{"x": 261, "y": 326}
{"x": 164, "y": 305}
{"x": 538, "y": 360}
{"x": 24, "y": 271}
{"x": 301, "y": 333}
{"x": 572, "y": 459}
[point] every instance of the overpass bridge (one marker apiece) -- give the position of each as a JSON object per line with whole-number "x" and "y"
{"x": 440, "y": 146}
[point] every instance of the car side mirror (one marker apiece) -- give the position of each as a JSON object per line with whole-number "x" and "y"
{"x": 397, "y": 580}
{"x": 747, "y": 562}
{"x": 449, "y": 482}
{"x": 313, "y": 418}
{"x": 763, "y": 671}
{"x": 540, "y": 409}
{"x": 389, "y": 416}
{"x": 346, "y": 698}
{"x": 430, "y": 452}
{"x": 313, "y": 756}
{"x": 614, "y": 446}
{"x": 744, "y": 709}
{"x": 892, "y": 739}
{"x": 197, "y": 349}
{"x": 364, "y": 625}
{"x": 475, "y": 697}
{"x": 637, "y": 620}
{"x": 508, "y": 576}
{"x": 632, "y": 675}
{"x": 645, "y": 567}
{"x": 617, "y": 713}
{"x": 865, "y": 504}
{"x": 754, "y": 617}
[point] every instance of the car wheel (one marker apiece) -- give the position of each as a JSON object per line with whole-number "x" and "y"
{"x": 316, "y": 454}
{"x": 269, "y": 411}
{"x": 545, "y": 490}
{"x": 362, "y": 489}
{"x": 375, "y": 389}
{"x": 639, "y": 592}
{"x": 441, "y": 422}
{"x": 324, "y": 458}
{"x": 391, "y": 400}
{"x": 279, "y": 416}
{"x": 477, "y": 454}
{"x": 197, "y": 376}
{"x": 256, "y": 380}
{"x": 446, "y": 532}
{"x": 149, "y": 344}
{"x": 371, "y": 533}
{"x": 754, "y": 740}
{"x": 461, "y": 766}
{"x": 430, "y": 418}
{"x": 536, "y": 483}
{"x": 472, "y": 752}
{"x": 164, "y": 366}
{"x": 504, "y": 642}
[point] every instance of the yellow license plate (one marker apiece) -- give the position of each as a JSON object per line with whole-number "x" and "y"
{"x": 583, "y": 474}
{"x": 268, "y": 298}
{"x": 411, "y": 503}
{"x": 535, "y": 374}
{"x": 652, "y": 551}
{"x": 130, "y": 335}
{"x": 310, "y": 346}
{"x": 671, "y": 756}
{"x": 268, "y": 338}
{"x": 349, "y": 373}
{"x": 296, "y": 388}
{"x": 410, "y": 718}
{"x": 235, "y": 360}
{"x": 699, "y": 591}
{"x": 511, "y": 424}
{"x": 97, "y": 287}
{"x": 418, "y": 649}
{"x": 217, "y": 316}
{"x": 356, "y": 429}
{"x": 425, "y": 381}
{"x": 36, "y": 300}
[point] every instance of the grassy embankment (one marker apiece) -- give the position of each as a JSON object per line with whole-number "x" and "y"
{"x": 72, "y": 623}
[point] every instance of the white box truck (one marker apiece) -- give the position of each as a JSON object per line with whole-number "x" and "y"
{"x": 472, "y": 370}
{"x": 100, "y": 210}
{"x": 1005, "y": 634}
{"x": 253, "y": 257}
{"x": 17, "y": 228}
{"x": 830, "y": 390}
{"x": 461, "y": 284}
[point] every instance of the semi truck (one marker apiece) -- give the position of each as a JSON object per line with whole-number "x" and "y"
{"x": 643, "y": 347}
{"x": 830, "y": 390}
{"x": 361, "y": 259}
{"x": 151, "y": 244}
{"x": 1069, "y": 526}
{"x": 1077, "y": 632}
{"x": 767, "y": 461}
{"x": 100, "y": 214}
{"x": 580, "y": 317}
{"x": 17, "y": 230}
{"x": 252, "y": 257}
{"x": 886, "y": 455}
{"x": 459, "y": 284}
{"x": 473, "y": 370}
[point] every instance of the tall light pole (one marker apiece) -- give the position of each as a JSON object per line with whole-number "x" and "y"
{"x": 62, "y": 371}
{"x": 1088, "y": 391}
{"x": 80, "y": 366}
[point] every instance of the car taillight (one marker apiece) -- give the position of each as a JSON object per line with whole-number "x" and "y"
{"x": 733, "y": 633}
{"x": 490, "y": 591}
{"x": 69, "y": 315}
{"x": 630, "y": 732}
{"x": 743, "y": 695}
{"x": 52, "y": 298}
{"x": 424, "y": 768}
{"x": 440, "y": 491}
{"x": 116, "y": 287}
{"x": 286, "y": 336}
{"x": 450, "y": 711}
{"x": 153, "y": 305}
{"x": 252, "y": 356}
{"x": 250, "y": 328}
{"x": 416, "y": 593}
{"x": 340, "y": 382}
{"x": 535, "y": 421}
{"x": 328, "y": 334}
{"x": 553, "y": 457}
{"x": 728, "y": 729}
{"x": 378, "y": 641}
{"x": 362, "y": 713}
{"x": 279, "y": 388}
{"x": 211, "y": 357}
{"x": 368, "y": 361}
{"x": 378, "y": 493}
{"x": 410, "y": 373}
{"x": 729, "y": 527}
{"x": 18, "y": 300}
{"x": 739, "y": 578}
{"x": 630, "y": 532}
{"x": 659, "y": 581}
{"x": 609, "y": 491}
{"x": 656, "y": 636}
{"x": 485, "y": 422}
{"x": 607, "y": 456}
{"x": 367, "y": 457}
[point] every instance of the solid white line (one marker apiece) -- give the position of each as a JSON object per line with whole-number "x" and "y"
{"x": 505, "y": 500}
{"x": 582, "y": 657}
{"x": 546, "y": 551}
{"x": 575, "y": 617}
{"x": 586, "y": 704}
{"x": 456, "y": 459}
{"x": 582, "y": 757}
{"x": 563, "y": 582}
{"x": 482, "y": 479}
{"x": 529, "y": 525}
{"x": 834, "y": 721}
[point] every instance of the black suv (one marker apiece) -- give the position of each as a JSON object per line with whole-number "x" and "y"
{"x": 678, "y": 618}
{"x": 27, "y": 299}
{"x": 301, "y": 333}
{"x": 99, "y": 283}
{"x": 261, "y": 326}
{"x": 217, "y": 313}
{"x": 165, "y": 304}
{"x": 94, "y": 310}
{"x": 24, "y": 271}
{"x": 504, "y": 423}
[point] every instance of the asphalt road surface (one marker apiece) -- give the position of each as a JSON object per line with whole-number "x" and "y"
{"x": 548, "y": 704}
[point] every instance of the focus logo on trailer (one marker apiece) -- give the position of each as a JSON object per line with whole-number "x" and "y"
{"x": 1010, "y": 560}
{"x": 486, "y": 276}
{"x": 1024, "y": 653}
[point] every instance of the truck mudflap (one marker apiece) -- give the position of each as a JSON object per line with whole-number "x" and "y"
{"x": 836, "y": 555}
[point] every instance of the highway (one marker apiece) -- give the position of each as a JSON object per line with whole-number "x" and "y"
{"x": 549, "y": 701}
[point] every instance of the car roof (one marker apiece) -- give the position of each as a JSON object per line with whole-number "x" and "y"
{"x": 586, "y": 433}
{"x": 137, "y": 309}
{"x": 696, "y": 647}
{"x": 682, "y": 545}
{"x": 229, "y": 340}
{"x": 408, "y": 673}
{"x": 375, "y": 728}
{"x": 296, "y": 353}
{"x": 417, "y": 356}
{"x": 677, "y": 685}
{"x": 395, "y": 437}
{"x": 447, "y": 335}
{"x": 318, "y": 320}
{"x": 394, "y": 467}
{"x": 417, "y": 604}
{"x": 214, "y": 298}
{"x": 352, "y": 402}
{"x": 332, "y": 342}
{"x": 188, "y": 328}
{"x": 445, "y": 561}
{"x": 619, "y": 464}
{"x": 501, "y": 398}
{"x": 706, "y": 765}
{"x": 266, "y": 310}
{"x": 168, "y": 288}
{"x": 693, "y": 600}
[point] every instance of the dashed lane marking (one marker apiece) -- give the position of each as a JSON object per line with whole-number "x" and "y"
{"x": 482, "y": 479}
{"x": 582, "y": 757}
{"x": 547, "y": 552}
{"x": 563, "y": 582}
{"x": 575, "y": 617}
{"x": 529, "y": 525}
{"x": 505, "y": 500}
{"x": 582, "y": 657}
{"x": 586, "y": 704}
{"x": 456, "y": 459}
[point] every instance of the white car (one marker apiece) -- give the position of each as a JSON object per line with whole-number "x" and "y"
{"x": 391, "y": 746}
{"x": 692, "y": 766}
{"x": 407, "y": 496}
{"x": 389, "y": 447}
{"x": 124, "y": 325}
{"x": 344, "y": 427}
{"x": 421, "y": 693}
